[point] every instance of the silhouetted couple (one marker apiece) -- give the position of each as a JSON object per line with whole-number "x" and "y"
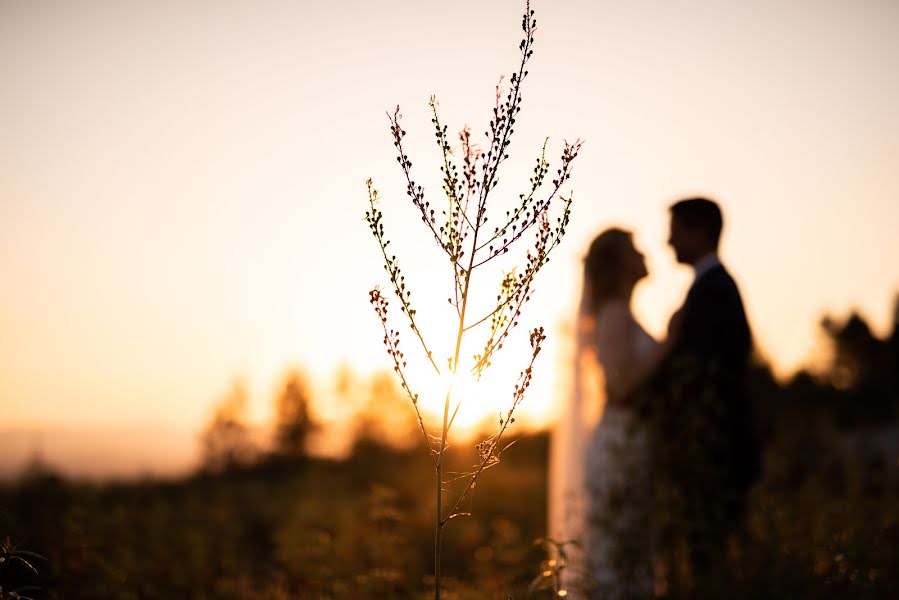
{"x": 657, "y": 485}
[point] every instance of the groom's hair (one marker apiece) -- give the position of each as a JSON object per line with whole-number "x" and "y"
{"x": 700, "y": 214}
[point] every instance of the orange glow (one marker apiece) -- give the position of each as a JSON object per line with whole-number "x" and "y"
{"x": 182, "y": 186}
{"x": 478, "y": 402}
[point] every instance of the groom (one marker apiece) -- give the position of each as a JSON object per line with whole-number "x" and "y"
{"x": 709, "y": 452}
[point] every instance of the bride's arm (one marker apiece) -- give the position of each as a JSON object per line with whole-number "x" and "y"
{"x": 643, "y": 368}
{"x": 624, "y": 370}
{"x": 648, "y": 367}
{"x": 615, "y": 350}
{"x": 662, "y": 349}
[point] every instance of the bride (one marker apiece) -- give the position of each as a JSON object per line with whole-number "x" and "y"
{"x": 599, "y": 488}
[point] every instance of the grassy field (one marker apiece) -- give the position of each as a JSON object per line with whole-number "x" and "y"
{"x": 823, "y": 522}
{"x": 821, "y": 526}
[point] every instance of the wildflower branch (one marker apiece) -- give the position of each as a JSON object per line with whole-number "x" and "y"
{"x": 470, "y": 154}
{"x": 519, "y": 292}
{"x": 487, "y": 449}
{"x": 512, "y": 218}
{"x": 504, "y": 113}
{"x": 463, "y": 223}
{"x": 415, "y": 192}
{"x": 552, "y": 568}
{"x": 456, "y": 217}
{"x": 455, "y": 231}
{"x": 392, "y": 343}
{"x": 397, "y": 279}
{"x": 526, "y": 216}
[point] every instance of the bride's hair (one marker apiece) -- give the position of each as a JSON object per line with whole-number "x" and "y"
{"x": 603, "y": 267}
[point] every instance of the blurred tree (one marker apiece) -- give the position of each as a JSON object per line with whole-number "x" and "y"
{"x": 896, "y": 317}
{"x": 862, "y": 369}
{"x": 349, "y": 387}
{"x": 293, "y": 423}
{"x": 766, "y": 393}
{"x": 856, "y": 351}
{"x": 384, "y": 418}
{"x": 38, "y": 468}
{"x": 894, "y": 339}
{"x": 226, "y": 440}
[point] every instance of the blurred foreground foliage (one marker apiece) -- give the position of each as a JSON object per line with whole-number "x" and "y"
{"x": 823, "y": 522}
{"x": 314, "y": 528}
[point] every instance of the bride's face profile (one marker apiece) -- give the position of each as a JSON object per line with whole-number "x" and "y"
{"x": 613, "y": 267}
{"x": 634, "y": 264}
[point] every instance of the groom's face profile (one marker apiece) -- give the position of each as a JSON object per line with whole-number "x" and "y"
{"x": 689, "y": 243}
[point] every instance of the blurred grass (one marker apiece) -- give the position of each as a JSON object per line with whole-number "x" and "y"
{"x": 361, "y": 528}
{"x": 297, "y": 529}
{"x": 822, "y": 523}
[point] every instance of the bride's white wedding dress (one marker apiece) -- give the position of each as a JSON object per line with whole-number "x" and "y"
{"x": 599, "y": 465}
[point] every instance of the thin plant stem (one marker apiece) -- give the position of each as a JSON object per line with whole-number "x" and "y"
{"x": 465, "y": 221}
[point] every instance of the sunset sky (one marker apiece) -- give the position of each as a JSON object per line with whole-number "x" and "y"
{"x": 182, "y": 184}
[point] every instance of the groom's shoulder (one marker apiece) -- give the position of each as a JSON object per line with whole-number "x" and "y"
{"x": 717, "y": 280}
{"x": 718, "y": 275}
{"x": 714, "y": 277}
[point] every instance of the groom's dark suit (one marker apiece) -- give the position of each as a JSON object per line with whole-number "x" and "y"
{"x": 708, "y": 448}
